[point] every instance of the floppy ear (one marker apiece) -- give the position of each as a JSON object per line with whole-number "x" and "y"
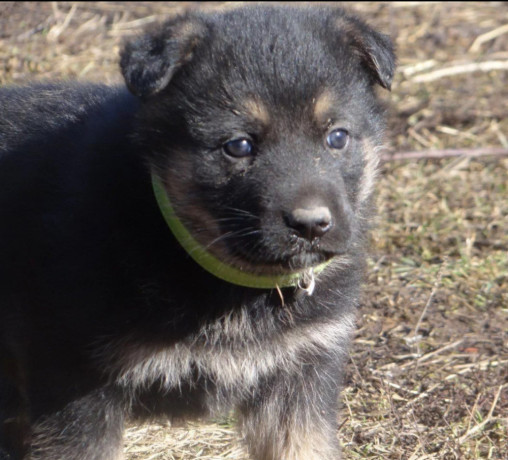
{"x": 149, "y": 63}
{"x": 375, "y": 49}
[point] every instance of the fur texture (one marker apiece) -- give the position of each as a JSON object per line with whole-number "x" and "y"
{"x": 263, "y": 124}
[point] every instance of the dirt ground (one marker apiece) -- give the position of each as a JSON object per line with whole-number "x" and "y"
{"x": 428, "y": 370}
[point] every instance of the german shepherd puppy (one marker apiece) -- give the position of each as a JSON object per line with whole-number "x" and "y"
{"x": 192, "y": 243}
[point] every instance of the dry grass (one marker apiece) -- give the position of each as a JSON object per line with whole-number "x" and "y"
{"x": 428, "y": 374}
{"x": 191, "y": 441}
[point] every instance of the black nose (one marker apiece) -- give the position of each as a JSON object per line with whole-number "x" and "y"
{"x": 310, "y": 223}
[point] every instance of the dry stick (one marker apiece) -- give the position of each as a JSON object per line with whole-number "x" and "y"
{"x": 56, "y": 30}
{"x": 423, "y": 395}
{"x": 445, "y": 153}
{"x": 472, "y": 411}
{"x": 477, "y": 44}
{"x": 489, "y": 418}
{"x": 429, "y": 301}
{"x": 485, "y": 66}
{"x": 427, "y": 356}
{"x": 440, "y": 350}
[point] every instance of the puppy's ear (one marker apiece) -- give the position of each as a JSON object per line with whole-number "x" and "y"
{"x": 375, "y": 49}
{"x": 149, "y": 63}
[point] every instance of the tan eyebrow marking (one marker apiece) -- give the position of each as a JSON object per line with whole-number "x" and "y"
{"x": 323, "y": 106}
{"x": 257, "y": 110}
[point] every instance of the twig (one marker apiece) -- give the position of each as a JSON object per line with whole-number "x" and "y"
{"x": 429, "y": 355}
{"x": 444, "y": 153}
{"x": 473, "y": 411}
{"x": 429, "y": 301}
{"x": 57, "y": 29}
{"x": 410, "y": 70}
{"x": 481, "y": 39}
{"x": 424, "y": 394}
{"x": 135, "y": 24}
{"x": 485, "y": 66}
{"x": 489, "y": 419}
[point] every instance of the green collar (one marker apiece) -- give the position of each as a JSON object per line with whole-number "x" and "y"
{"x": 303, "y": 279}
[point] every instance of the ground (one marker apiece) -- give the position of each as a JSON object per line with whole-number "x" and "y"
{"x": 428, "y": 371}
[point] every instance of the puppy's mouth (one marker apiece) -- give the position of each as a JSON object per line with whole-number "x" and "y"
{"x": 264, "y": 263}
{"x": 293, "y": 269}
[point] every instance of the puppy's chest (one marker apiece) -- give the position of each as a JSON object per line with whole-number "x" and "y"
{"x": 233, "y": 352}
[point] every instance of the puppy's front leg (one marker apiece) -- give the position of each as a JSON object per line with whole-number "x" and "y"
{"x": 294, "y": 416}
{"x": 89, "y": 428}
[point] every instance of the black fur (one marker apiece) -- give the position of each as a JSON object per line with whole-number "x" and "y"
{"x": 103, "y": 316}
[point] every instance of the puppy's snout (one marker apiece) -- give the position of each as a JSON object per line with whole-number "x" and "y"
{"x": 310, "y": 223}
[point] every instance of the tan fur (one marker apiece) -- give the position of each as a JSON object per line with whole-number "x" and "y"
{"x": 297, "y": 432}
{"x": 226, "y": 351}
{"x": 370, "y": 171}
{"x": 257, "y": 110}
{"x": 301, "y": 443}
{"x": 323, "y": 106}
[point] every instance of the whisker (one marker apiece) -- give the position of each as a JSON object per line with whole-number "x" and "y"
{"x": 239, "y": 211}
{"x": 230, "y": 235}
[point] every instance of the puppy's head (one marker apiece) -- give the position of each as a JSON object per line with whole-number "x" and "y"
{"x": 262, "y": 123}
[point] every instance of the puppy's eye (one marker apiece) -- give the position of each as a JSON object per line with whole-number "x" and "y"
{"x": 238, "y": 148}
{"x": 337, "y": 139}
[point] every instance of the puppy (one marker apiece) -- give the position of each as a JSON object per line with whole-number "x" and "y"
{"x": 193, "y": 243}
